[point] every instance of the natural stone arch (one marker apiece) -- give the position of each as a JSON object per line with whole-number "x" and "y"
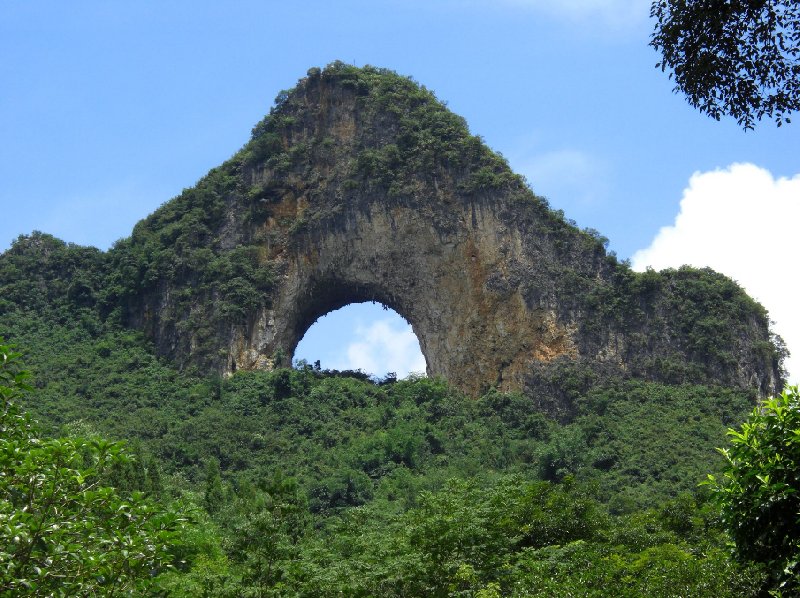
{"x": 360, "y": 185}
{"x": 469, "y": 334}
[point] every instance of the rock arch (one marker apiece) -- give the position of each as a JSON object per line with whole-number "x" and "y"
{"x": 469, "y": 334}
{"x": 360, "y": 185}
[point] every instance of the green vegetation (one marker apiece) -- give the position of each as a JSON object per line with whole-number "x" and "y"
{"x": 711, "y": 321}
{"x": 430, "y": 140}
{"x": 760, "y": 491}
{"x": 302, "y": 479}
{"x": 301, "y": 482}
{"x": 512, "y": 538}
{"x": 64, "y": 531}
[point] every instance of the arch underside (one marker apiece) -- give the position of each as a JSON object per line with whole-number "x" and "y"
{"x": 472, "y": 330}
{"x": 332, "y": 295}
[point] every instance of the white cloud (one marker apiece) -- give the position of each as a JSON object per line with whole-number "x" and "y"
{"x": 385, "y": 346}
{"x": 741, "y": 221}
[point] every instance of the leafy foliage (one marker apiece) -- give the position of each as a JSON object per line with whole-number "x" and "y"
{"x": 63, "y": 532}
{"x": 41, "y": 273}
{"x": 760, "y": 488}
{"x": 737, "y": 58}
{"x": 409, "y": 488}
{"x": 641, "y": 442}
{"x": 513, "y": 537}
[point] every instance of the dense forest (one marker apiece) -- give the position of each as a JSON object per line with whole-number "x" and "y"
{"x": 306, "y": 482}
{"x": 125, "y": 471}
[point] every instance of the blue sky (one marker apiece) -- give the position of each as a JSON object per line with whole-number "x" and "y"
{"x": 109, "y": 109}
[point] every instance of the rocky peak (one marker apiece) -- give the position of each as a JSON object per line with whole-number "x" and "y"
{"x": 360, "y": 185}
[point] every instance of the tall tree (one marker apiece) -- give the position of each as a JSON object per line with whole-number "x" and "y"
{"x": 732, "y": 57}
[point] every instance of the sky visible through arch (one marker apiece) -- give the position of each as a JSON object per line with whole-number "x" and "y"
{"x": 108, "y": 110}
{"x": 378, "y": 341}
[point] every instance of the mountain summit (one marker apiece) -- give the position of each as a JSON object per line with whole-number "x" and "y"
{"x": 361, "y": 186}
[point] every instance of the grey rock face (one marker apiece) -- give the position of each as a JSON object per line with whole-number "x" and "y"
{"x": 360, "y": 186}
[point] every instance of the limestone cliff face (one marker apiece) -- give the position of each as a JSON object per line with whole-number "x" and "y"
{"x": 361, "y": 186}
{"x": 474, "y": 328}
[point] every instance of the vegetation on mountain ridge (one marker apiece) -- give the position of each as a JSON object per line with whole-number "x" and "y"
{"x": 198, "y": 268}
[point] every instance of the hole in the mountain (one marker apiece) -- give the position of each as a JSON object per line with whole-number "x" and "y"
{"x": 362, "y": 336}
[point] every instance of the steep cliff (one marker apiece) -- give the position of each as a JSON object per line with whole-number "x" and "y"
{"x": 360, "y": 185}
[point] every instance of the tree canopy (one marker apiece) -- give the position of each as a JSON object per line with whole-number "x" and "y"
{"x": 760, "y": 490}
{"x": 319, "y": 484}
{"x": 64, "y": 531}
{"x": 739, "y": 58}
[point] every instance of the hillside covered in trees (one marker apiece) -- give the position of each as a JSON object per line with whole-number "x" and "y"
{"x": 580, "y": 479}
{"x": 305, "y": 482}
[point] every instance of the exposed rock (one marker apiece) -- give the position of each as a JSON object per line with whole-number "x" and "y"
{"x": 361, "y": 186}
